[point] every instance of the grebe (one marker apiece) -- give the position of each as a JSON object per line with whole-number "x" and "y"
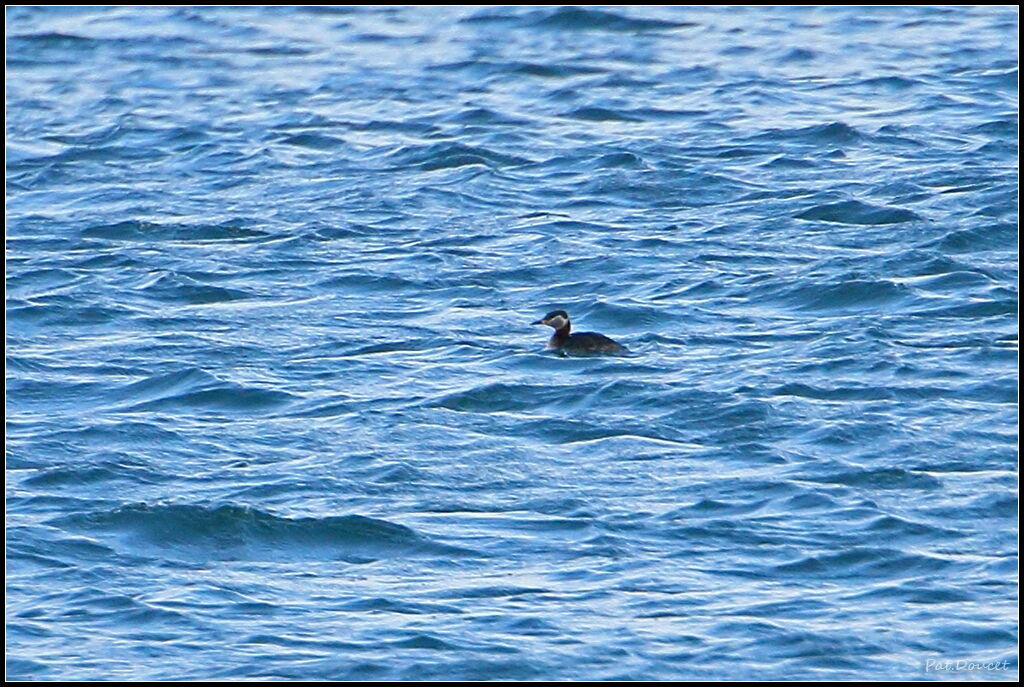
{"x": 583, "y": 342}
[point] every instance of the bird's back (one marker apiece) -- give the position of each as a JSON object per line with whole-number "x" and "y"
{"x": 591, "y": 342}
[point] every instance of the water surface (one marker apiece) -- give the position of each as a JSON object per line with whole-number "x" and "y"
{"x": 275, "y": 409}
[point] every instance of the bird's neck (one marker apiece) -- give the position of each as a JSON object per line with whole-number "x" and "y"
{"x": 562, "y": 334}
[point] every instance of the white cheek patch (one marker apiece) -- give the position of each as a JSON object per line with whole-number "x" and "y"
{"x": 557, "y": 322}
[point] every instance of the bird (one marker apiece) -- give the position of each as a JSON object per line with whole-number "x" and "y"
{"x": 582, "y": 342}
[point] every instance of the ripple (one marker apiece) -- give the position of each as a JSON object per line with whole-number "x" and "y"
{"x": 178, "y": 288}
{"x": 314, "y": 141}
{"x": 581, "y": 19}
{"x": 451, "y": 155}
{"x": 857, "y": 212}
{"x": 884, "y": 478}
{"x": 233, "y": 398}
{"x": 243, "y": 533}
{"x": 865, "y": 562}
{"x": 132, "y": 230}
{"x": 833, "y": 133}
{"x": 600, "y": 114}
{"x": 847, "y": 295}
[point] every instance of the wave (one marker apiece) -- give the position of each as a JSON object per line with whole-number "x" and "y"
{"x": 194, "y": 389}
{"x": 576, "y": 19}
{"x": 136, "y": 230}
{"x": 857, "y": 212}
{"x": 438, "y": 156}
{"x": 833, "y": 133}
{"x": 231, "y": 532}
{"x": 230, "y": 398}
{"x": 850, "y": 294}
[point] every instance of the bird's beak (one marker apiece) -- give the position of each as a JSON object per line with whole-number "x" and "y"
{"x": 538, "y": 322}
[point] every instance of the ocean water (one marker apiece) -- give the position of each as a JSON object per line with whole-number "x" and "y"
{"x": 275, "y": 409}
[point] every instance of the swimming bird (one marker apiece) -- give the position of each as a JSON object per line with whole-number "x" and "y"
{"x": 582, "y": 342}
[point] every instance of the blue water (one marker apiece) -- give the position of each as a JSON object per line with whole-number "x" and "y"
{"x": 275, "y": 408}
